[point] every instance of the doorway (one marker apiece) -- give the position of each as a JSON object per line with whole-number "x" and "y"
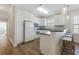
{"x": 3, "y": 33}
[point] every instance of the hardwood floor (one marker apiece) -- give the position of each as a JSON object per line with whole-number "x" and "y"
{"x": 29, "y": 48}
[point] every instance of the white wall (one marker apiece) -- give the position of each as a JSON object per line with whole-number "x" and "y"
{"x": 20, "y": 16}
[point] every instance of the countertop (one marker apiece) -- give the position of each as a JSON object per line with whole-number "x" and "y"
{"x": 54, "y": 29}
{"x": 48, "y": 30}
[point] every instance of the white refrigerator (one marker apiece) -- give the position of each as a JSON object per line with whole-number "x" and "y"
{"x": 29, "y": 31}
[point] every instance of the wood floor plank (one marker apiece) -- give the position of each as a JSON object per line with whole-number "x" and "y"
{"x": 23, "y": 49}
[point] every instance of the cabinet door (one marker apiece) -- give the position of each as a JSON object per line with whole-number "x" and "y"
{"x": 29, "y": 34}
{"x": 60, "y": 19}
{"x": 29, "y": 25}
{"x": 45, "y": 44}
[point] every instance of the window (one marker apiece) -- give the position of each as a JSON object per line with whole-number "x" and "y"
{"x": 76, "y": 24}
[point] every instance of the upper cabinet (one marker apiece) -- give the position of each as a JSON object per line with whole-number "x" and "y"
{"x": 56, "y": 20}
{"x": 60, "y": 19}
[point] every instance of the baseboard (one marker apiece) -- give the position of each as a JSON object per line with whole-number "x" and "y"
{"x": 13, "y": 44}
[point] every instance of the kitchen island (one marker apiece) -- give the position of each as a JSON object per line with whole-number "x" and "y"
{"x": 51, "y": 40}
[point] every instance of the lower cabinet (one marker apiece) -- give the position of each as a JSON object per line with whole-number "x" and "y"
{"x": 51, "y": 44}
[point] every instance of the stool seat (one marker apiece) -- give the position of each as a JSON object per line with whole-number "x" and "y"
{"x": 67, "y": 38}
{"x": 68, "y": 35}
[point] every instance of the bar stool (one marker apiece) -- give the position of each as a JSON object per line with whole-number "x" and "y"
{"x": 67, "y": 45}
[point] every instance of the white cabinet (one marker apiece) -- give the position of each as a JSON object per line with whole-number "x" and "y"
{"x": 45, "y": 44}
{"x": 51, "y": 44}
{"x": 60, "y": 19}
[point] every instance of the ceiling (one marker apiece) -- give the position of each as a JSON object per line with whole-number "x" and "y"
{"x": 51, "y": 8}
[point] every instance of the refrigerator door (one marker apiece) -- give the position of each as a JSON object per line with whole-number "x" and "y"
{"x": 29, "y": 25}
{"x": 29, "y": 31}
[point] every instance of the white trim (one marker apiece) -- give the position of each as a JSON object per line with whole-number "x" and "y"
{"x": 13, "y": 44}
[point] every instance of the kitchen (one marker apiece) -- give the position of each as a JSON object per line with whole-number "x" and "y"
{"x": 59, "y": 22}
{"x": 44, "y": 27}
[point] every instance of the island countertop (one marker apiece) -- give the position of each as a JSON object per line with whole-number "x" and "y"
{"x": 48, "y": 30}
{"x": 52, "y": 29}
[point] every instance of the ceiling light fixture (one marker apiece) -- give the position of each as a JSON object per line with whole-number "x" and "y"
{"x": 65, "y": 9}
{"x": 42, "y": 10}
